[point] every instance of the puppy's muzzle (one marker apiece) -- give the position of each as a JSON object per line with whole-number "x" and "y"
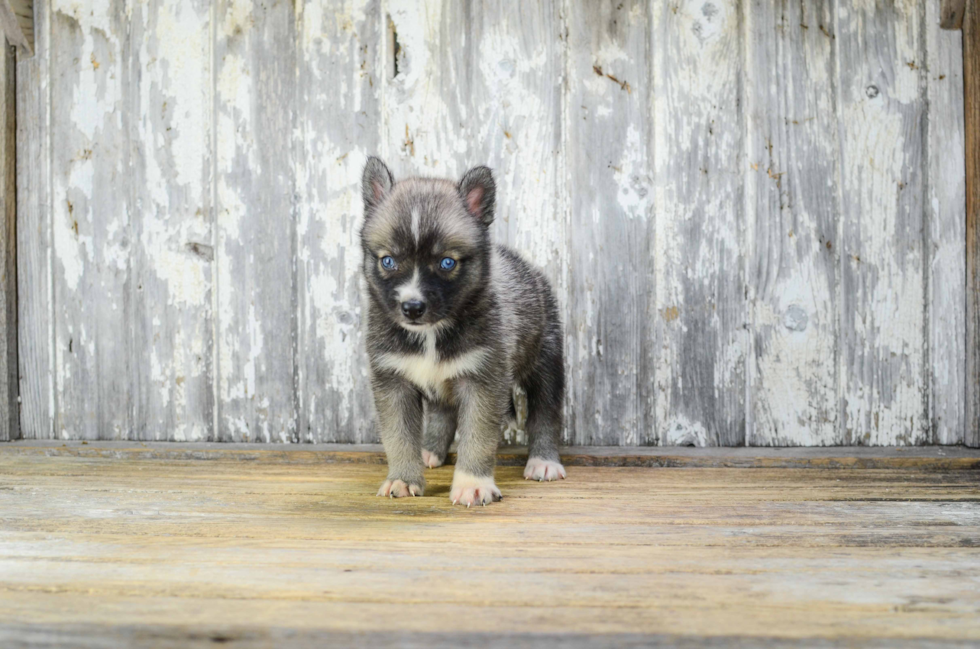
{"x": 413, "y": 309}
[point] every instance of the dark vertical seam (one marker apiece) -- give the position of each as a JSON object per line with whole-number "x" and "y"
{"x": 931, "y": 428}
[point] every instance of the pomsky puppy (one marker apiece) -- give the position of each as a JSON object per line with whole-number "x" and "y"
{"x": 455, "y": 326}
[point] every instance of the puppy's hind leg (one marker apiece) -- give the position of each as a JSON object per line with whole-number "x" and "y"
{"x": 545, "y": 399}
{"x": 440, "y": 428}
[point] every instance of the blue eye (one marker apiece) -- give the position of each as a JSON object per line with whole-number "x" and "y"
{"x": 388, "y": 262}
{"x": 447, "y": 263}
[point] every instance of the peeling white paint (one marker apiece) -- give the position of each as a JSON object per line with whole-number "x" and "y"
{"x": 698, "y": 225}
{"x": 883, "y": 363}
{"x": 635, "y": 193}
{"x": 493, "y": 93}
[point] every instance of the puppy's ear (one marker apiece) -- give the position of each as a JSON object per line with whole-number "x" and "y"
{"x": 478, "y": 192}
{"x": 376, "y": 182}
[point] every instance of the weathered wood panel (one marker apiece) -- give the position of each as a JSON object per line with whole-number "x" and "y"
{"x": 750, "y": 210}
{"x": 792, "y": 203}
{"x": 516, "y": 60}
{"x": 92, "y": 207}
{"x": 882, "y": 110}
{"x": 945, "y": 206}
{"x": 34, "y": 237}
{"x": 950, "y": 13}
{"x": 9, "y": 369}
{"x": 971, "y": 117}
{"x": 609, "y": 157}
{"x": 487, "y": 94}
{"x": 171, "y": 223}
{"x": 701, "y": 307}
{"x": 339, "y": 125}
{"x": 255, "y": 99}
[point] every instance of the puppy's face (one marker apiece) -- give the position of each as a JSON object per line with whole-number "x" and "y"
{"x": 426, "y": 244}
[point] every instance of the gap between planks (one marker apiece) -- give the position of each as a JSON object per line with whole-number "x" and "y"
{"x": 943, "y": 458}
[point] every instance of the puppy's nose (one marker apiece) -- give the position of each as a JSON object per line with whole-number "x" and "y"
{"x": 413, "y": 309}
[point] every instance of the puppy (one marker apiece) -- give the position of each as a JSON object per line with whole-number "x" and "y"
{"x": 454, "y": 325}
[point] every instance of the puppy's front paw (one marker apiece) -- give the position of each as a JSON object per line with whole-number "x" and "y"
{"x": 431, "y": 460}
{"x": 473, "y": 490}
{"x": 543, "y": 470}
{"x": 399, "y": 489}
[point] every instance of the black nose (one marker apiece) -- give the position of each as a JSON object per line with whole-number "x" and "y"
{"x": 413, "y": 309}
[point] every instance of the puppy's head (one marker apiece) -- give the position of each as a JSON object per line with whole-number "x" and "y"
{"x": 426, "y": 243}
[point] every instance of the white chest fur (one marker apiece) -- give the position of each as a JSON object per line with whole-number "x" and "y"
{"x": 428, "y": 370}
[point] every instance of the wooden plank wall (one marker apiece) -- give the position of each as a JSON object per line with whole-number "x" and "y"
{"x": 945, "y": 198}
{"x": 699, "y": 282}
{"x": 34, "y": 237}
{"x": 792, "y": 196}
{"x": 611, "y": 233}
{"x": 752, "y": 212}
{"x": 9, "y": 367}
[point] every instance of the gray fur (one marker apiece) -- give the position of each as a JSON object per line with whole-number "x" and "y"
{"x": 489, "y": 323}
{"x": 440, "y": 428}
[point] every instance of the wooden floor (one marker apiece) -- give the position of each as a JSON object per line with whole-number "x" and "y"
{"x": 108, "y": 549}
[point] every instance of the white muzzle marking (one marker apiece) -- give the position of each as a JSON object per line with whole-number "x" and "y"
{"x": 410, "y": 290}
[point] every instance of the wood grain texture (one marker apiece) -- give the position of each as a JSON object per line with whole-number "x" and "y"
{"x": 701, "y": 309}
{"x": 882, "y": 111}
{"x": 92, "y": 207}
{"x": 877, "y": 556}
{"x": 609, "y": 158}
{"x": 255, "y": 106}
{"x": 751, "y": 211}
{"x": 339, "y": 116}
{"x": 34, "y": 238}
{"x": 971, "y": 91}
{"x": 791, "y": 197}
{"x": 945, "y": 206}
{"x": 488, "y": 94}
{"x": 950, "y": 13}
{"x": 9, "y": 368}
{"x": 171, "y": 250}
